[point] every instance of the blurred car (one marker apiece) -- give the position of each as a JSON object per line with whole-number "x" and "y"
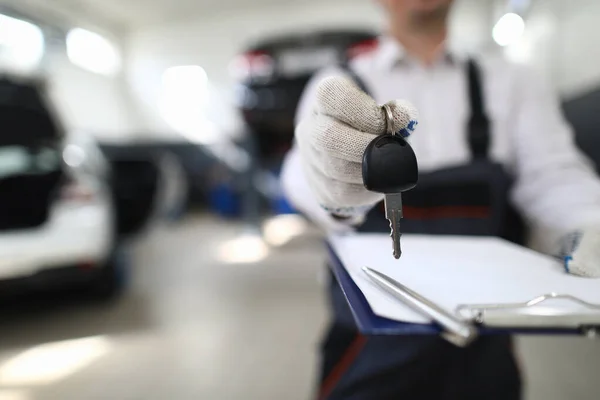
{"x": 64, "y": 213}
{"x": 271, "y": 76}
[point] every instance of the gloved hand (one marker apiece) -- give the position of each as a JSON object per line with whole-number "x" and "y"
{"x": 581, "y": 253}
{"x": 333, "y": 138}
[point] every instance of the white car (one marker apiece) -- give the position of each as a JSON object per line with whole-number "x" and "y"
{"x": 57, "y": 215}
{"x": 65, "y": 210}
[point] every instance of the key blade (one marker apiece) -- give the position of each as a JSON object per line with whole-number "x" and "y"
{"x": 393, "y": 204}
{"x": 395, "y": 233}
{"x": 393, "y": 213}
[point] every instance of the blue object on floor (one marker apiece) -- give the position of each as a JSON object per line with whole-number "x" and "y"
{"x": 282, "y": 206}
{"x": 224, "y": 201}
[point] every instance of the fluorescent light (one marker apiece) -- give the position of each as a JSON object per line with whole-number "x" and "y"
{"x": 93, "y": 52}
{"x": 183, "y": 101}
{"x": 508, "y": 29}
{"x": 49, "y": 363}
{"x": 21, "y": 44}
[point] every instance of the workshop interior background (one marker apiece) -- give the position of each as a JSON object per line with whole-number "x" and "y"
{"x": 155, "y": 256}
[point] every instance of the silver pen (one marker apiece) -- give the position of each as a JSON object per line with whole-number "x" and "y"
{"x": 456, "y": 331}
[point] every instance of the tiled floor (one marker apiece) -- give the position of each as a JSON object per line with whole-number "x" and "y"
{"x": 195, "y": 327}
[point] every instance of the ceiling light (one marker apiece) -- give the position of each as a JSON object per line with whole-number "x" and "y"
{"x": 21, "y": 44}
{"x": 93, "y": 52}
{"x": 183, "y": 102}
{"x": 508, "y": 29}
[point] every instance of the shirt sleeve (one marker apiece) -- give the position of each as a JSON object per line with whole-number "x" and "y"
{"x": 557, "y": 189}
{"x": 295, "y": 185}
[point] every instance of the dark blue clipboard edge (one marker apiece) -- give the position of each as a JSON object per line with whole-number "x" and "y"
{"x": 369, "y": 323}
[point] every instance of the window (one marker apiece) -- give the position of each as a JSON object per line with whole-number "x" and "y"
{"x": 183, "y": 102}
{"x": 18, "y": 160}
{"x": 93, "y": 52}
{"x": 21, "y": 44}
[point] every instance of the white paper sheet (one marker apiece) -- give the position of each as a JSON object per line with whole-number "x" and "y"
{"x": 453, "y": 270}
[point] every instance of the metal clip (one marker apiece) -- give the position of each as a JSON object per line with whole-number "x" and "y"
{"x": 521, "y": 315}
{"x": 389, "y": 119}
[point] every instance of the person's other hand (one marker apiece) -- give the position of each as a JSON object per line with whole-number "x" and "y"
{"x": 333, "y": 139}
{"x": 581, "y": 252}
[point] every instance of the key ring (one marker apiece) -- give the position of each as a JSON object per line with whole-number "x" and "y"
{"x": 389, "y": 118}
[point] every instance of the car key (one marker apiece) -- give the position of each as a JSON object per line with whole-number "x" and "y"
{"x": 390, "y": 167}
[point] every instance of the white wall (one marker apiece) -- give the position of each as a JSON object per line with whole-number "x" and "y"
{"x": 578, "y": 51}
{"x": 97, "y": 104}
{"x": 561, "y": 41}
{"x": 212, "y": 41}
{"x": 87, "y": 102}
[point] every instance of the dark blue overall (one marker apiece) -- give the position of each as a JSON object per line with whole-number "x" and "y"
{"x": 466, "y": 200}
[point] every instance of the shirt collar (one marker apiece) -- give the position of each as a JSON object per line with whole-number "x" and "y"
{"x": 391, "y": 53}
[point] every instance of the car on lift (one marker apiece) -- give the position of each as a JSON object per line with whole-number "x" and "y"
{"x": 271, "y": 75}
{"x": 66, "y": 211}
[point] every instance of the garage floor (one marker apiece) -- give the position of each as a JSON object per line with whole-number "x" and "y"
{"x": 197, "y": 325}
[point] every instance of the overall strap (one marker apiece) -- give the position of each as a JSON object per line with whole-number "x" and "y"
{"x": 357, "y": 79}
{"x": 478, "y": 129}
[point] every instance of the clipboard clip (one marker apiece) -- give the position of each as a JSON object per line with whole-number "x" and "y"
{"x": 525, "y": 315}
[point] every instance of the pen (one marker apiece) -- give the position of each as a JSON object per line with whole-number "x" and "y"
{"x": 456, "y": 331}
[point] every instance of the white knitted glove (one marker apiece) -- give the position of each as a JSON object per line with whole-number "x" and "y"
{"x": 333, "y": 138}
{"x": 581, "y": 253}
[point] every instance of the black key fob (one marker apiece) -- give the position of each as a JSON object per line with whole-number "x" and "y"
{"x": 389, "y": 165}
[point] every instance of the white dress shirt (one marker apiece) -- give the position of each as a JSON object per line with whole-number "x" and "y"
{"x": 555, "y": 189}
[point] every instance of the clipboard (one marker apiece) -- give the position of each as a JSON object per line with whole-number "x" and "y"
{"x": 488, "y": 319}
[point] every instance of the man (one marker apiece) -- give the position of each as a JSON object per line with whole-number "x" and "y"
{"x": 490, "y": 137}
